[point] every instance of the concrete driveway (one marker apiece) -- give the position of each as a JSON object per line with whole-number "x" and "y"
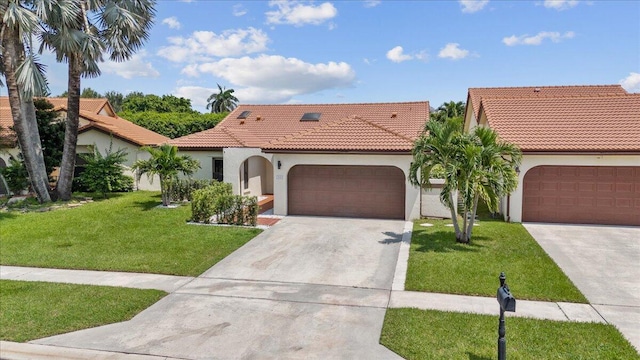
{"x": 307, "y": 288}
{"x": 604, "y": 263}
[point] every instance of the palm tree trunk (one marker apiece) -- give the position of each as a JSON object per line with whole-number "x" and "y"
{"x": 164, "y": 192}
{"x": 454, "y": 216}
{"x": 24, "y": 117}
{"x": 68, "y": 163}
{"x": 473, "y": 217}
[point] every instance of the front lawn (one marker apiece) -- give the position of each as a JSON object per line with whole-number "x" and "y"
{"x": 438, "y": 264}
{"x": 124, "y": 233}
{"x": 426, "y": 334}
{"x": 33, "y": 310}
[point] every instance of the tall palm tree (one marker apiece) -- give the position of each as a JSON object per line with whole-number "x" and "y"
{"x": 166, "y": 164}
{"x": 24, "y": 79}
{"x": 223, "y": 101}
{"x": 117, "y": 28}
{"x": 449, "y": 110}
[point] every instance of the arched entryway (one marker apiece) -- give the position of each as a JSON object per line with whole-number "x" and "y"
{"x": 256, "y": 179}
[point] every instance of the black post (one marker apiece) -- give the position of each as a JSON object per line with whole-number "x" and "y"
{"x": 502, "y": 341}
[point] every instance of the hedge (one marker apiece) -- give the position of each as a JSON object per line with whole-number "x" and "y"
{"x": 216, "y": 201}
{"x": 182, "y": 189}
{"x": 173, "y": 124}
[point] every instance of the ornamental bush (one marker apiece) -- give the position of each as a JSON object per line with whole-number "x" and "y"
{"x": 104, "y": 173}
{"x": 204, "y": 201}
{"x": 216, "y": 201}
{"x": 16, "y": 175}
{"x": 182, "y": 189}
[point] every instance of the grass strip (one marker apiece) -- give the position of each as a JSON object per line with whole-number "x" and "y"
{"x": 33, "y": 310}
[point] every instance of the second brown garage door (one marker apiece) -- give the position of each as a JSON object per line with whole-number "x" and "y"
{"x": 608, "y": 195}
{"x": 346, "y": 191}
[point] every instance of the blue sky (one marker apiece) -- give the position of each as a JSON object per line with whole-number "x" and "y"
{"x": 375, "y": 51}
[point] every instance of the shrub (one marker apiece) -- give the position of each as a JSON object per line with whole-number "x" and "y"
{"x": 104, "y": 174}
{"x": 182, "y": 189}
{"x": 217, "y": 200}
{"x": 204, "y": 201}
{"x": 16, "y": 175}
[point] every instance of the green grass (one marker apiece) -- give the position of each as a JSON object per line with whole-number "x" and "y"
{"x": 123, "y": 233}
{"x": 420, "y": 334}
{"x": 33, "y": 310}
{"x": 438, "y": 264}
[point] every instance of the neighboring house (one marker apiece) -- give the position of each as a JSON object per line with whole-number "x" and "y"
{"x": 581, "y": 151}
{"x": 347, "y": 160}
{"x": 99, "y": 126}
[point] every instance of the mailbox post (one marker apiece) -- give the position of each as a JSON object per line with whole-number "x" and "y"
{"x": 507, "y": 303}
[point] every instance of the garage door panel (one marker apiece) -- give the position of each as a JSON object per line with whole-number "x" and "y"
{"x": 349, "y": 191}
{"x": 582, "y": 194}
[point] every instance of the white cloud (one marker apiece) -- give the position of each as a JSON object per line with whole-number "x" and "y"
{"x": 453, "y": 51}
{"x": 471, "y": 6}
{"x": 134, "y": 67}
{"x": 197, "y": 94}
{"x": 397, "y": 55}
{"x": 298, "y": 14}
{"x": 560, "y": 4}
{"x": 632, "y": 82}
{"x": 239, "y": 10}
{"x": 371, "y": 3}
{"x": 537, "y": 39}
{"x": 172, "y": 22}
{"x": 276, "y": 79}
{"x": 203, "y": 44}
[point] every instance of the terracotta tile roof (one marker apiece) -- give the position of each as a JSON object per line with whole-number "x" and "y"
{"x": 7, "y": 136}
{"x": 373, "y": 126}
{"x": 90, "y": 105}
{"x": 609, "y": 123}
{"x": 89, "y": 109}
{"x": 476, "y": 94}
{"x": 122, "y": 128}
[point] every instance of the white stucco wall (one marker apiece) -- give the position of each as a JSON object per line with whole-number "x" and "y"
{"x": 206, "y": 162}
{"x": 232, "y": 164}
{"x": 102, "y": 142}
{"x": 412, "y": 201}
{"x": 531, "y": 161}
{"x": 430, "y": 201}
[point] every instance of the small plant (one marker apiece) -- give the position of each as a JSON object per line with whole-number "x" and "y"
{"x": 16, "y": 175}
{"x": 104, "y": 174}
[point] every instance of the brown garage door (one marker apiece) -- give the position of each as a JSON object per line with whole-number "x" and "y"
{"x": 607, "y": 195}
{"x": 348, "y": 191}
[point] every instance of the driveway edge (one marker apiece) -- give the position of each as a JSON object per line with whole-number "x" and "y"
{"x": 400, "y": 275}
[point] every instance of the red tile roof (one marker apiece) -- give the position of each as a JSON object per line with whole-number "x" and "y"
{"x": 608, "y": 123}
{"x": 476, "y": 94}
{"x": 7, "y": 136}
{"x": 344, "y": 127}
{"x": 122, "y": 128}
{"x": 89, "y": 109}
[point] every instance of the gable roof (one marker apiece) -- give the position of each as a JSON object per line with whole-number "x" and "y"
{"x": 601, "y": 123}
{"x": 90, "y": 110}
{"x": 476, "y": 94}
{"x": 341, "y": 127}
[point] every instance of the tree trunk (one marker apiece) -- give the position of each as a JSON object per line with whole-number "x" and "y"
{"x": 164, "y": 192}
{"x": 454, "y": 216}
{"x": 68, "y": 164}
{"x": 474, "y": 210}
{"x": 24, "y": 117}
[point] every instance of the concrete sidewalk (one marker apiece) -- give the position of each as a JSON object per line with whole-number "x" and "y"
{"x": 166, "y": 283}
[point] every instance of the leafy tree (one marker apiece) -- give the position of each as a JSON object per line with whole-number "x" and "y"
{"x": 477, "y": 165}
{"x": 51, "y": 131}
{"x": 449, "y": 110}
{"x": 79, "y": 32}
{"x": 16, "y": 175}
{"x": 223, "y": 101}
{"x": 139, "y": 102}
{"x": 115, "y": 99}
{"x": 104, "y": 174}
{"x": 166, "y": 164}
{"x": 173, "y": 124}
{"x": 24, "y": 79}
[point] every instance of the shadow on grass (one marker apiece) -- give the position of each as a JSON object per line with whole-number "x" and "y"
{"x": 476, "y": 357}
{"x": 7, "y": 215}
{"x": 445, "y": 241}
{"x": 148, "y": 205}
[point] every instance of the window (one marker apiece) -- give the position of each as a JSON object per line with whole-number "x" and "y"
{"x": 244, "y": 114}
{"x": 245, "y": 174}
{"x": 218, "y": 173}
{"x": 311, "y": 117}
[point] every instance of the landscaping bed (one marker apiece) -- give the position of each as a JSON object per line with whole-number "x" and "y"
{"x": 427, "y": 334}
{"x": 33, "y": 310}
{"x": 126, "y": 232}
{"x": 438, "y": 264}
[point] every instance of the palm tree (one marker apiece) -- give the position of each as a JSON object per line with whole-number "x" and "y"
{"x": 449, "y": 110}
{"x": 437, "y": 147}
{"x": 118, "y": 28}
{"x": 24, "y": 79}
{"x": 166, "y": 164}
{"x": 477, "y": 166}
{"x": 223, "y": 101}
